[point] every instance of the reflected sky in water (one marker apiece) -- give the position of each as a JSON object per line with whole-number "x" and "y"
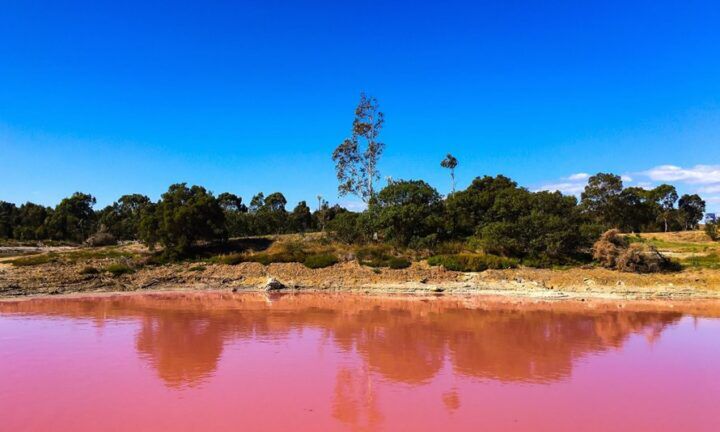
{"x": 217, "y": 361}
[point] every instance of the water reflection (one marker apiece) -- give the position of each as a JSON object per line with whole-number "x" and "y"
{"x": 403, "y": 340}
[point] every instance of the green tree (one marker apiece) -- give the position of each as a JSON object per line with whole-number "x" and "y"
{"x": 8, "y": 213}
{"x": 236, "y": 214}
{"x": 301, "y": 219}
{"x": 73, "y": 219}
{"x": 468, "y": 209}
{"x": 601, "y": 199}
{"x": 183, "y": 217}
{"x": 356, "y": 159}
{"x": 664, "y": 197}
{"x": 122, "y": 218}
{"x": 690, "y": 210}
{"x": 30, "y": 222}
{"x": 409, "y": 212}
{"x": 544, "y": 227}
{"x": 450, "y": 162}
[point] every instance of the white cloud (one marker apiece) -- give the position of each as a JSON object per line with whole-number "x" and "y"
{"x": 356, "y": 206}
{"x": 699, "y": 174}
{"x": 568, "y": 188}
{"x": 713, "y": 199}
{"x": 626, "y": 178}
{"x": 710, "y": 189}
{"x": 579, "y": 176}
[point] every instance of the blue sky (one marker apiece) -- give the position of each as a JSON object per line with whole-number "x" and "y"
{"x": 120, "y": 97}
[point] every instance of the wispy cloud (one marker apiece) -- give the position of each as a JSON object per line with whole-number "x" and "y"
{"x": 356, "y": 206}
{"x": 699, "y": 174}
{"x": 568, "y": 188}
{"x": 578, "y": 176}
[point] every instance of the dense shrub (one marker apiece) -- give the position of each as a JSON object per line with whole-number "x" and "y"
{"x": 409, "y": 213}
{"x": 320, "y": 260}
{"x": 472, "y": 262}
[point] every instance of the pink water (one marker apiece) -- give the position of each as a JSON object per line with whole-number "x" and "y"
{"x": 216, "y": 362}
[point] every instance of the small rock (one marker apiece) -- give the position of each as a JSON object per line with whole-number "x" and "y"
{"x": 273, "y": 284}
{"x": 424, "y": 280}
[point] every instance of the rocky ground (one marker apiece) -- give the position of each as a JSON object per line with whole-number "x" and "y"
{"x": 63, "y": 277}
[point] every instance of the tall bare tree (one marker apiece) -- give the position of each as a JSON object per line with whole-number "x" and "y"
{"x": 357, "y": 157}
{"x": 450, "y": 162}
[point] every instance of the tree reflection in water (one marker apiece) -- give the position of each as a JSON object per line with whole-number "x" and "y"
{"x": 402, "y": 339}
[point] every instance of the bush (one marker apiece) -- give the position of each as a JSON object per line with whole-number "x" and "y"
{"x": 472, "y": 262}
{"x": 320, "y": 261}
{"x": 398, "y": 263}
{"x": 88, "y": 270}
{"x": 380, "y": 256}
{"x": 197, "y": 268}
{"x": 639, "y": 258}
{"x": 101, "y": 238}
{"x": 232, "y": 259}
{"x": 609, "y": 247}
{"x": 614, "y": 251}
{"x": 119, "y": 269}
{"x": 712, "y": 231}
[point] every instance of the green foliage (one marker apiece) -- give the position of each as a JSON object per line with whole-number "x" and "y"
{"x": 471, "y": 262}
{"x": 711, "y": 230}
{"x": 527, "y": 225}
{"x": 34, "y": 260}
{"x": 300, "y": 219}
{"x": 347, "y": 227}
{"x": 73, "y": 219}
{"x": 409, "y": 212}
{"x": 320, "y": 260}
{"x": 119, "y": 269}
{"x": 122, "y": 218}
{"x": 690, "y": 211}
{"x": 709, "y": 261}
{"x": 380, "y": 256}
{"x": 197, "y": 268}
{"x": 397, "y": 263}
{"x": 181, "y": 218}
{"x": 357, "y": 157}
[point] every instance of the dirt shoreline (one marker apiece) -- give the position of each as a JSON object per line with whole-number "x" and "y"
{"x": 55, "y": 279}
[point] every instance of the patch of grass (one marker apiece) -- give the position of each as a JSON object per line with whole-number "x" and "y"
{"x": 710, "y": 261}
{"x": 89, "y": 254}
{"x": 380, "y": 256}
{"x": 472, "y": 262}
{"x": 119, "y": 269}
{"x": 197, "y": 268}
{"x": 34, "y": 260}
{"x": 89, "y": 270}
{"x": 671, "y": 246}
{"x": 320, "y": 260}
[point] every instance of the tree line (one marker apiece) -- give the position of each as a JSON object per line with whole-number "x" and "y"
{"x": 492, "y": 214}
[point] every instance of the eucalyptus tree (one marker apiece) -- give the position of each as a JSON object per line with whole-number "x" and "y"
{"x": 450, "y": 162}
{"x": 356, "y": 159}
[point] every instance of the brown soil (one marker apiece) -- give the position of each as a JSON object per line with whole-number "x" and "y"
{"x": 61, "y": 278}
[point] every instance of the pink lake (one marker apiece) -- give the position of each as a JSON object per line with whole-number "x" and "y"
{"x": 326, "y": 362}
